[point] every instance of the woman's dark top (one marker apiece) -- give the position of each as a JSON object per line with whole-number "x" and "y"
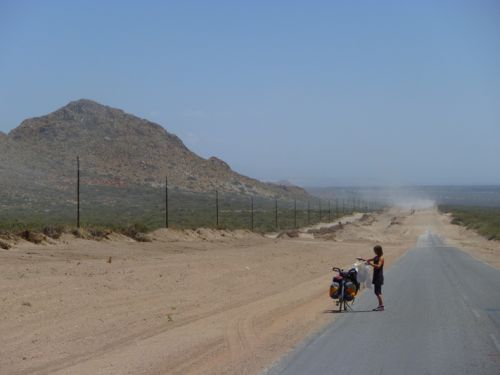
{"x": 378, "y": 273}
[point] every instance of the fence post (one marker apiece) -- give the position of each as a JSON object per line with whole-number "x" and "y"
{"x": 319, "y": 204}
{"x": 343, "y": 206}
{"x": 251, "y": 214}
{"x": 217, "y": 209}
{"x": 78, "y": 191}
{"x": 166, "y": 202}
{"x": 308, "y": 214}
{"x": 295, "y": 213}
{"x": 276, "y": 214}
{"x": 336, "y": 208}
{"x": 329, "y": 211}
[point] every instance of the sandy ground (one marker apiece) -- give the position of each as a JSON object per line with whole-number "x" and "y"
{"x": 467, "y": 240}
{"x": 196, "y": 302}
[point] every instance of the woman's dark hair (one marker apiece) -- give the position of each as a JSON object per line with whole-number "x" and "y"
{"x": 378, "y": 250}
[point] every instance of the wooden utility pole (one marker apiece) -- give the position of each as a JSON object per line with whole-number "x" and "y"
{"x": 251, "y": 214}
{"x": 166, "y": 202}
{"x": 78, "y": 191}
{"x": 276, "y": 214}
{"x": 216, "y": 208}
{"x": 295, "y": 213}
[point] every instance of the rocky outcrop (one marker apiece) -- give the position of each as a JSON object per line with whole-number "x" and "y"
{"x": 117, "y": 148}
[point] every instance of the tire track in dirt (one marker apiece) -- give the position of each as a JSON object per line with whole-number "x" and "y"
{"x": 229, "y": 344}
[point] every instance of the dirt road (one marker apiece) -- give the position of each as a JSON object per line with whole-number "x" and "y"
{"x": 186, "y": 303}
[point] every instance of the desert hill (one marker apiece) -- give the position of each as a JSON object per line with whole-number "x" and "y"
{"x": 115, "y": 149}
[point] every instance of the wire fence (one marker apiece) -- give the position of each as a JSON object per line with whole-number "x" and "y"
{"x": 151, "y": 207}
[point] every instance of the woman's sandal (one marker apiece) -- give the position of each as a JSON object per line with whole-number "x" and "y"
{"x": 380, "y": 308}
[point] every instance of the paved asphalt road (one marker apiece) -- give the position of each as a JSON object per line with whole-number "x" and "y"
{"x": 442, "y": 317}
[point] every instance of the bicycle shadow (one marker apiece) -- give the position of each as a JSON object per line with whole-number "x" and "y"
{"x": 346, "y": 312}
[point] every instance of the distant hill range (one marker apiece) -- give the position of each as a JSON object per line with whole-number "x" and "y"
{"x": 115, "y": 149}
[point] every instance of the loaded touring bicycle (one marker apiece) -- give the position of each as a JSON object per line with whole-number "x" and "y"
{"x": 344, "y": 287}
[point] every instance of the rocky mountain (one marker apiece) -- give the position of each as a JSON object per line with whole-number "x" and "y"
{"x": 115, "y": 149}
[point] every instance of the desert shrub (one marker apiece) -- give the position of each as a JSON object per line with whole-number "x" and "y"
{"x": 31, "y": 236}
{"x": 98, "y": 233}
{"x": 484, "y": 220}
{"x": 4, "y": 245}
{"x": 54, "y": 232}
{"x": 137, "y": 231}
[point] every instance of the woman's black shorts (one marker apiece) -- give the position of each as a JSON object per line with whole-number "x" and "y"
{"x": 378, "y": 288}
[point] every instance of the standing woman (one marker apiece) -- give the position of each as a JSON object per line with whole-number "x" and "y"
{"x": 378, "y": 274}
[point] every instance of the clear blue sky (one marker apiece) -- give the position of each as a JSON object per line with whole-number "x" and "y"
{"x": 316, "y": 92}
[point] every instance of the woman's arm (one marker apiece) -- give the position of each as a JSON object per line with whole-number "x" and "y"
{"x": 380, "y": 263}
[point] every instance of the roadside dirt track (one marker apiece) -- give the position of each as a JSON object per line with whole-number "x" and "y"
{"x": 227, "y": 304}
